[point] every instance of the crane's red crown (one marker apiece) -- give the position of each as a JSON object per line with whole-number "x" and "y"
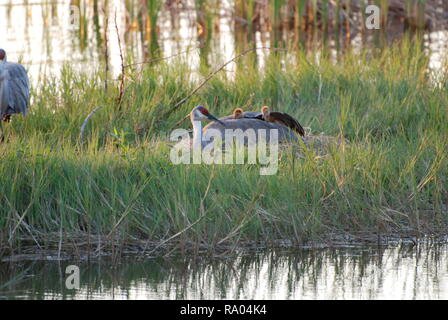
{"x": 203, "y": 110}
{"x": 2, "y": 54}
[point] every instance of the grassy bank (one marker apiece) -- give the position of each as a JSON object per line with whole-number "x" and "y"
{"x": 118, "y": 188}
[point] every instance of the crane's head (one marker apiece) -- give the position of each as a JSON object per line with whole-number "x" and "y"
{"x": 2, "y": 55}
{"x": 238, "y": 113}
{"x": 201, "y": 113}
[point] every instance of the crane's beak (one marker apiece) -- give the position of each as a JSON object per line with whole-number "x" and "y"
{"x": 211, "y": 117}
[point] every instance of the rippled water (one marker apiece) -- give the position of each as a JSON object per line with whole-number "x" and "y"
{"x": 395, "y": 272}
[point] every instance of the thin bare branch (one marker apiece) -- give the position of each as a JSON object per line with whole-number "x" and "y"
{"x": 211, "y": 75}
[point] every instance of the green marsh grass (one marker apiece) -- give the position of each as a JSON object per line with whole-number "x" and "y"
{"x": 389, "y": 175}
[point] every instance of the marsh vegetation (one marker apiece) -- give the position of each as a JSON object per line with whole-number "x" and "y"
{"x": 116, "y": 191}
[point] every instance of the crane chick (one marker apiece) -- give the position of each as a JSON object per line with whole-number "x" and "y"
{"x": 283, "y": 119}
{"x": 238, "y": 113}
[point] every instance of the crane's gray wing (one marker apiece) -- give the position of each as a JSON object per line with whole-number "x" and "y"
{"x": 284, "y": 133}
{"x": 252, "y": 115}
{"x": 14, "y": 89}
{"x": 248, "y": 115}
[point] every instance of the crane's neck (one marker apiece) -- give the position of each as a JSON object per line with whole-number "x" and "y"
{"x": 197, "y": 134}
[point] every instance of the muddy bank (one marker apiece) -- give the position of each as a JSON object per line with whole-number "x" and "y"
{"x": 96, "y": 247}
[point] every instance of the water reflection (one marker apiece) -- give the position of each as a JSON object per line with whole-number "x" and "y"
{"x": 45, "y": 34}
{"x": 399, "y": 272}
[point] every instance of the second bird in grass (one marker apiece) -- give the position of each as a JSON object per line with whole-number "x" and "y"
{"x": 14, "y": 90}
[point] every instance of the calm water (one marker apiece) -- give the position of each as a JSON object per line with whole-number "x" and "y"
{"x": 396, "y": 272}
{"x": 46, "y": 34}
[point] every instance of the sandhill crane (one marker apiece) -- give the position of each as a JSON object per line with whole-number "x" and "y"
{"x": 282, "y": 118}
{"x": 246, "y": 121}
{"x": 14, "y": 90}
{"x": 200, "y": 137}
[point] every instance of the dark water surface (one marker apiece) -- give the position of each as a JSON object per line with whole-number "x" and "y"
{"x": 394, "y": 272}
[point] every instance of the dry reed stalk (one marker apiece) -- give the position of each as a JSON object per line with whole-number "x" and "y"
{"x": 106, "y": 48}
{"x": 83, "y": 126}
{"x": 120, "y": 94}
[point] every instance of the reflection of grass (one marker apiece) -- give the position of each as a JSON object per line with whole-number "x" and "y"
{"x": 246, "y": 275}
{"x": 15, "y": 280}
{"x": 390, "y": 176}
{"x": 153, "y": 7}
